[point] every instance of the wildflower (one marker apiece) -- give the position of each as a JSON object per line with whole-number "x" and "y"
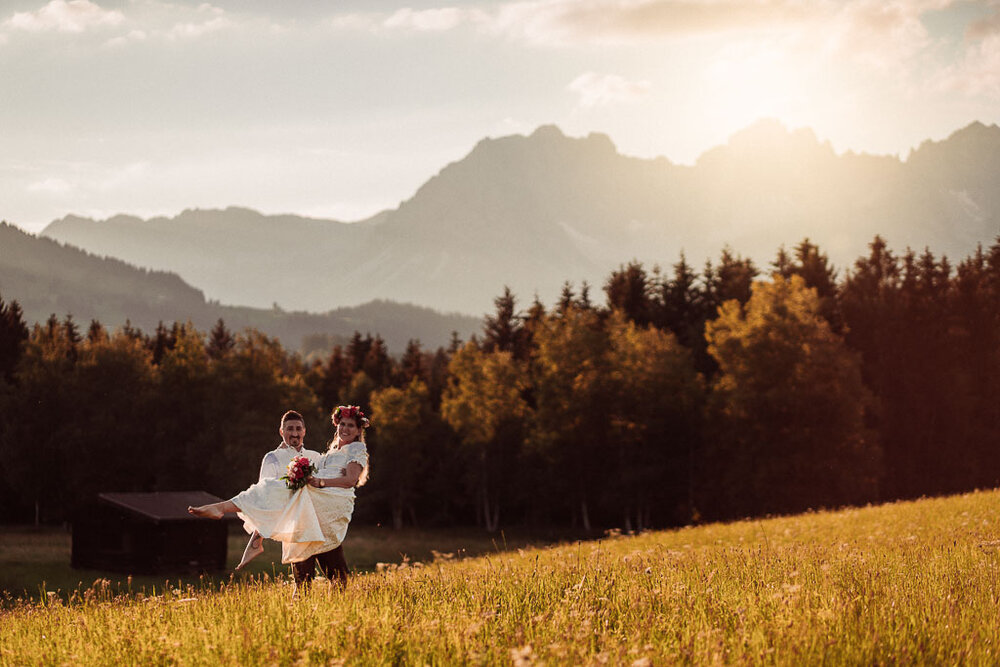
{"x": 523, "y": 656}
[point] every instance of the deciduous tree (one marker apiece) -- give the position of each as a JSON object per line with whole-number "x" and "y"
{"x": 789, "y": 404}
{"x": 483, "y": 403}
{"x": 400, "y": 445}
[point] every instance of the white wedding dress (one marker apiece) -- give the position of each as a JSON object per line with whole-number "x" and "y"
{"x": 307, "y": 521}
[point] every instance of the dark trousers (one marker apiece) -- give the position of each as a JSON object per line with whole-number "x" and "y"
{"x": 331, "y": 562}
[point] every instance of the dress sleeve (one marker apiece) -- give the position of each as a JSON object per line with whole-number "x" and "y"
{"x": 357, "y": 453}
{"x": 269, "y": 467}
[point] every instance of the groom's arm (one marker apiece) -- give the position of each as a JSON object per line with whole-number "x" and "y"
{"x": 269, "y": 467}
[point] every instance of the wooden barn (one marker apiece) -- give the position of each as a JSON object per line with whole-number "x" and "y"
{"x": 148, "y": 533}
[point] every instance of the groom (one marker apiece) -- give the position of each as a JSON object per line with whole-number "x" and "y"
{"x": 275, "y": 464}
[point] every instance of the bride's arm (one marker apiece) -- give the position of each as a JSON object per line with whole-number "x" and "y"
{"x": 348, "y": 481}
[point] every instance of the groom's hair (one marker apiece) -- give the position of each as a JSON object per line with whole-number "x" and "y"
{"x": 291, "y": 415}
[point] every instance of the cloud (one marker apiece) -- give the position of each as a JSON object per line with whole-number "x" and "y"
{"x": 406, "y": 19}
{"x": 65, "y": 16}
{"x": 195, "y": 30}
{"x": 581, "y": 22}
{"x": 146, "y": 19}
{"x": 118, "y": 177}
{"x": 597, "y": 90}
{"x": 51, "y": 186}
{"x": 865, "y": 28}
{"x": 984, "y": 27}
{"x": 977, "y": 73}
{"x": 879, "y": 34}
{"x": 559, "y": 22}
{"x": 214, "y": 20}
{"x": 131, "y": 37}
{"x": 567, "y": 22}
{"x": 433, "y": 20}
{"x": 354, "y": 22}
{"x": 875, "y": 32}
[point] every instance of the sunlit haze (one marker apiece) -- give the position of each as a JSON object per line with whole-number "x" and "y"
{"x": 343, "y": 109}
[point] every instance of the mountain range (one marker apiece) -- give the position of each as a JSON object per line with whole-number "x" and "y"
{"x": 47, "y": 277}
{"x": 531, "y": 212}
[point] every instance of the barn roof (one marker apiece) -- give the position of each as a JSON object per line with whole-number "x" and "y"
{"x": 160, "y": 505}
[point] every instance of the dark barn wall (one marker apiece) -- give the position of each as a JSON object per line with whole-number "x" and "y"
{"x": 110, "y": 538}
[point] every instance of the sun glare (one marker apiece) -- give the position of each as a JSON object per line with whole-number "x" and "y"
{"x": 743, "y": 87}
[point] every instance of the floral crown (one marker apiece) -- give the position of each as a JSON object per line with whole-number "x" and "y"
{"x": 350, "y": 412}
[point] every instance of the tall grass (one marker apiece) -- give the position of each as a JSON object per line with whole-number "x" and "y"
{"x": 905, "y": 582}
{"x": 33, "y": 557}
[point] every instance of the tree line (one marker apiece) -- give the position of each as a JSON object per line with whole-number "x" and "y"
{"x": 686, "y": 395}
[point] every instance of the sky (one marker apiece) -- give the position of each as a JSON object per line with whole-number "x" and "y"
{"x": 344, "y": 108}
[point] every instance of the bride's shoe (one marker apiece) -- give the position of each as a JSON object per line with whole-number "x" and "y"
{"x": 255, "y": 547}
{"x": 207, "y": 511}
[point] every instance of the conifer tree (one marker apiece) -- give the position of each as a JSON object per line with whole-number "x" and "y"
{"x": 357, "y": 350}
{"x": 132, "y": 332}
{"x": 13, "y": 334}
{"x": 684, "y": 307}
{"x": 504, "y": 330}
{"x": 533, "y": 319}
{"x": 872, "y": 304}
{"x": 815, "y": 269}
{"x": 71, "y": 337}
{"x": 96, "y": 332}
{"x": 334, "y": 379}
{"x": 732, "y": 279}
{"x": 220, "y": 340}
{"x": 583, "y": 302}
{"x": 160, "y": 342}
{"x": 438, "y": 377}
{"x": 567, "y": 299}
{"x": 413, "y": 365}
{"x": 629, "y": 291}
{"x": 378, "y": 365}
{"x": 454, "y": 343}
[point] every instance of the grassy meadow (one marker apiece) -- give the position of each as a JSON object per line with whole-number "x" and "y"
{"x": 34, "y": 561}
{"x": 907, "y": 582}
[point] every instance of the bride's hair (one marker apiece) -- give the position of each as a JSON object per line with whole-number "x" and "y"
{"x": 350, "y": 412}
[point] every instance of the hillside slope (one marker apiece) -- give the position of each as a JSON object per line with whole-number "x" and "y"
{"x": 912, "y": 582}
{"x": 47, "y": 277}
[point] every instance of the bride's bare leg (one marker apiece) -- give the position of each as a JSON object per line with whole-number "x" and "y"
{"x": 255, "y": 547}
{"x": 215, "y": 510}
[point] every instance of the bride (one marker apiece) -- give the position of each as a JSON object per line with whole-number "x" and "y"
{"x": 312, "y": 520}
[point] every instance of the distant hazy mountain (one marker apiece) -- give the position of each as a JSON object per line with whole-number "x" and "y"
{"x": 47, "y": 277}
{"x": 532, "y": 212}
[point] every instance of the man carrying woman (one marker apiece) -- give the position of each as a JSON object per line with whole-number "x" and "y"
{"x": 310, "y": 522}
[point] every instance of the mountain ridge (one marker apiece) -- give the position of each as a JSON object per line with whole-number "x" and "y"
{"x": 532, "y": 211}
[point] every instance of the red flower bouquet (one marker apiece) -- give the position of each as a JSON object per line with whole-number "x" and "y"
{"x": 300, "y": 469}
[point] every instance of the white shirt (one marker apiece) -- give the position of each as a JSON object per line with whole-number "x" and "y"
{"x": 275, "y": 462}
